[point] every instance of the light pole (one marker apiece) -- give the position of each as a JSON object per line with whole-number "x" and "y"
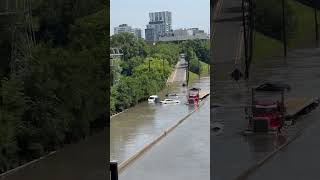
{"x": 199, "y": 68}
{"x": 245, "y": 39}
{"x": 284, "y": 29}
{"x": 316, "y": 25}
{"x": 163, "y": 67}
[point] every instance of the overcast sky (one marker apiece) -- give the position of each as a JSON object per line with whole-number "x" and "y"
{"x": 185, "y": 13}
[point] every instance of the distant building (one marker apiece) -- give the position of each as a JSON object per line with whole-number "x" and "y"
{"x": 125, "y": 28}
{"x": 185, "y": 34}
{"x": 137, "y": 32}
{"x": 160, "y": 25}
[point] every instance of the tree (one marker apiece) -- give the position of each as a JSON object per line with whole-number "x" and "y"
{"x": 130, "y": 45}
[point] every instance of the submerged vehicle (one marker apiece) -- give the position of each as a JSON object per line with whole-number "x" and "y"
{"x": 193, "y": 95}
{"x": 270, "y": 115}
{"x": 170, "y": 101}
{"x": 154, "y": 99}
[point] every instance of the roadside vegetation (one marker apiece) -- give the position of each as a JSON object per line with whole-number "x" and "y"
{"x": 268, "y": 36}
{"x": 58, "y": 95}
{"x": 144, "y": 69}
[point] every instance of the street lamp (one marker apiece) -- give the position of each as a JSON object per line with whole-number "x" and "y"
{"x": 149, "y": 64}
{"x": 163, "y": 67}
{"x": 284, "y": 29}
{"x": 199, "y": 68}
{"x": 316, "y": 25}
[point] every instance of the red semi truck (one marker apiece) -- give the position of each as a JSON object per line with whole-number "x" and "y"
{"x": 193, "y": 95}
{"x": 270, "y": 115}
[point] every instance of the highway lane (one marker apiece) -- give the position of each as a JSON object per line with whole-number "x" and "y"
{"x": 184, "y": 154}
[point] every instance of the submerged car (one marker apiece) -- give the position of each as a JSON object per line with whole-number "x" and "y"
{"x": 170, "y": 101}
{"x": 153, "y": 99}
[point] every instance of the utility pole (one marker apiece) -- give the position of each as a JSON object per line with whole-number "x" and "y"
{"x": 245, "y": 40}
{"x": 163, "y": 67}
{"x": 199, "y": 68}
{"x": 284, "y": 33}
{"x": 316, "y": 26}
{"x": 187, "y": 73}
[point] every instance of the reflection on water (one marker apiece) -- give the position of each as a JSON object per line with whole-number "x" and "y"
{"x": 300, "y": 73}
{"x": 131, "y": 130}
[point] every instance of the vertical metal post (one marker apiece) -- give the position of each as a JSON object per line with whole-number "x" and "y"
{"x": 282, "y": 107}
{"x": 163, "y": 67}
{"x": 284, "y": 29}
{"x": 188, "y": 73}
{"x": 252, "y": 99}
{"x": 316, "y": 25}
{"x": 114, "y": 170}
{"x": 245, "y": 40}
{"x": 149, "y": 65}
{"x": 199, "y": 67}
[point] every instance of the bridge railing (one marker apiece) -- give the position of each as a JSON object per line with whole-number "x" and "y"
{"x": 113, "y": 170}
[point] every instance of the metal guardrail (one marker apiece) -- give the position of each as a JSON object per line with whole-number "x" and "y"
{"x": 114, "y": 170}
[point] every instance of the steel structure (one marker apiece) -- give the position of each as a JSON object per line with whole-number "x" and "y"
{"x": 115, "y": 53}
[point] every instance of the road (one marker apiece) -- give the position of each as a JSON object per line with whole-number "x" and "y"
{"x": 231, "y": 153}
{"x": 300, "y": 158}
{"x": 182, "y": 155}
{"x": 225, "y": 163}
{"x": 179, "y": 74}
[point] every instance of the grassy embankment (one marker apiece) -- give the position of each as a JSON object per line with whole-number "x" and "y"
{"x": 204, "y": 72}
{"x": 304, "y": 35}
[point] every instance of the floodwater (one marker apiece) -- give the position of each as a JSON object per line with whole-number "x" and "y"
{"x": 233, "y": 153}
{"x": 184, "y": 154}
{"x": 134, "y": 128}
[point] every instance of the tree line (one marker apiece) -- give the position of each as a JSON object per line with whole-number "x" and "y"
{"x": 59, "y": 95}
{"x": 144, "y": 68}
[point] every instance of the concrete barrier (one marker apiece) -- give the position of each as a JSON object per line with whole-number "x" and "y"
{"x": 255, "y": 167}
{"x": 3, "y": 175}
{"x": 122, "y": 166}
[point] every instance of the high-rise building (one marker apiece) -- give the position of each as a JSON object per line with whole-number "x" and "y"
{"x": 160, "y": 25}
{"x": 125, "y": 28}
{"x": 137, "y": 32}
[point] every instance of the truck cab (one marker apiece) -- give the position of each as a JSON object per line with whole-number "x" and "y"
{"x": 193, "y": 96}
{"x": 266, "y": 116}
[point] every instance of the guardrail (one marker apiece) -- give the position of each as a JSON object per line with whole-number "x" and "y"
{"x": 113, "y": 170}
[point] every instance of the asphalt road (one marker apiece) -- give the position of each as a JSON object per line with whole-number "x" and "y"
{"x": 231, "y": 153}
{"x": 179, "y": 74}
{"x": 182, "y": 155}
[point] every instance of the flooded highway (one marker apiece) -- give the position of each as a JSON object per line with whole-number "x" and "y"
{"x": 134, "y": 128}
{"x": 234, "y": 153}
{"x": 184, "y": 154}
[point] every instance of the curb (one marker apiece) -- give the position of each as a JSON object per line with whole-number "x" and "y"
{"x": 122, "y": 166}
{"x": 116, "y": 114}
{"x": 3, "y": 175}
{"x": 251, "y": 170}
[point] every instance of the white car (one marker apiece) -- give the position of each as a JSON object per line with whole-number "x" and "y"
{"x": 170, "y": 101}
{"x": 153, "y": 99}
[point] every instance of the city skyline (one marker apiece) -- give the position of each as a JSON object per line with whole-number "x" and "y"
{"x": 185, "y": 14}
